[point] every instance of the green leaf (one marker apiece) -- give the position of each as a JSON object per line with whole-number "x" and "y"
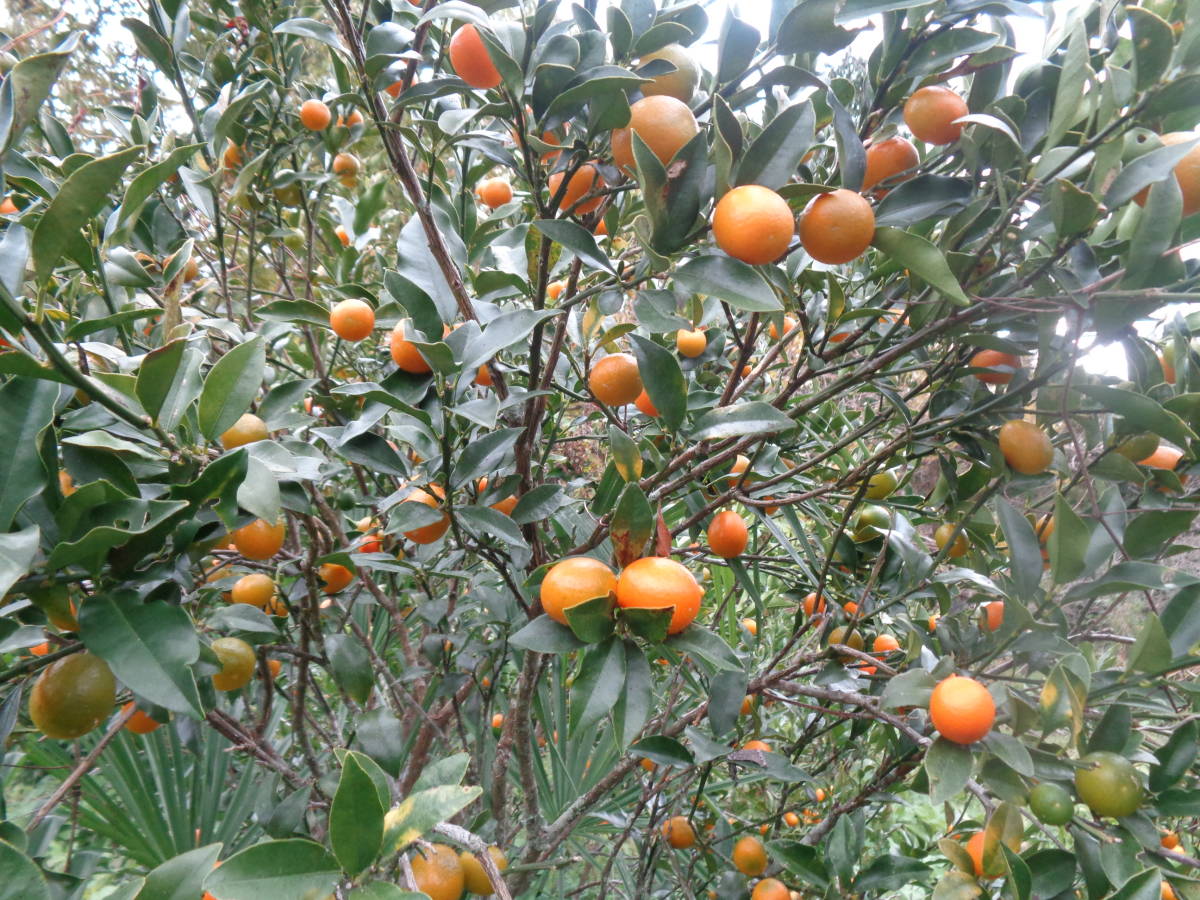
{"x": 20, "y": 878}
{"x": 1011, "y": 751}
{"x": 544, "y": 635}
{"x": 736, "y": 48}
{"x": 633, "y": 707}
{"x": 1147, "y": 169}
{"x": 728, "y": 279}
{"x": 451, "y": 770}
{"x": 699, "y": 641}
{"x": 311, "y": 28}
{"x": 81, "y": 197}
{"x": 1073, "y": 209}
{"x": 1141, "y": 412}
{"x": 648, "y": 624}
{"x": 726, "y": 693}
{"x": 101, "y": 525}
{"x": 810, "y": 28}
{"x": 1148, "y": 534}
{"x": 577, "y": 239}
{"x": 181, "y": 878}
{"x": 1068, "y": 543}
{"x": 231, "y": 386}
{"x": 1147, "y": 262}
{"x": 911, "y": 688}
{"x": 955, "y": 885}
{"x": 886, "y": 873}
{"x": 27, "y": 408}
{"x": 149, "y": 646}
{"x": 31, "y": 81}
{"x": 1152, "y": 652}
{"x": 598, "y": 685}
{"x": 949, "y": 767}
{"x": 288, "y": 868}
{"x": 592, "y": 620}
{"x": 351, "y": 666}
{"x": 17, "y": 551}
{"x": 756, "y": 417}
{"x": 802, "y": 861}
{"x": 1069, "y": 106}
{"x": 852, "y": 156}
{"x": 1175, "y": 757}
{"x": 663, "y": 750}
{"x": 484, "y": 455}
{"x": 156, "y": 375}
{"x": 355, "y": 818}
{"x": 147, "y": 181}
{"x": 774, "y": 156}
{"x": 663, "y": 379}
{"x": 632, "y": 525}
{"x": 923, "y": 197}
{"x": 381, "y": 738}
{"x": 1153, "y": 44}
{"x": 419, "y": 812}
{"x": 922, "y": 259}
{"x": 1146, "y": 885}
{"x": 1024, "y": 552}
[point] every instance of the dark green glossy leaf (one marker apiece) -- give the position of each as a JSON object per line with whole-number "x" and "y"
{"x": 544, "y": 635}
{"x": 355, "y": 818}
{"x": 922, "y": 258}
{"x": 663, "y": 379}
{"x": 231, "y": 386}
{"x": 287, "y": 868}
{"x": 754, "y": 417}
{"x": 598, "y": 685}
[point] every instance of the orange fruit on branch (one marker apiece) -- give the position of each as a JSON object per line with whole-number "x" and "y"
{"x": 690, "y": 343}
{"x": 975, "y": 851}
{"x": 471, "y": 61}
{"x": 813, "y": 605}
{"x": 437, "y": 870}
{"x": 584, "y": 181}
{"x": 315, "y": 115}
{"x": 930, "y": 113}
{"x": 728, "y": 535}
{"x": 427, "y": 534}
{"x": 1109, "y": 784}
{"x": 961, "y": 709}
{"x": 572, "y": 581}
{"x": 681, "y": 83}
{"x": 1187, "y": 173}
{"x": 888, "y": 159}
{"x": 256, "y": 589}
{"x": 1163, "y": 458}
{"x": 1026, "y": 447}
{"x": 678, "y": 832}
{"x": 474, "y": 877}
{"x": 770, "y": 889}
{"x": 72, "y": 696}
{"x": 615, "y": 380}
{"x": 655, "y": 582}
{"x": 259, "y": 540}
{"x": 645, "y": 405}
{"x": 993, "y": 615}
{"x": 837, "y": 227}
{"x": 405, "y": 354}
{"x": 749, "y": 856}
{"x": 237, "y": 663}
{"x": 495, "y": 192}
{"x": 352, "y": 320}
{"x": 754, "y": 224}
{"x": 140, "y": 722}
{"x": 960, "y": 546}
{"x": 335, "y": 576}
{"x": 346, "y": 164}
{"x": 1002, "y": 364}
{"x": 246, "y": 430}
{"x": 664, "y": 124}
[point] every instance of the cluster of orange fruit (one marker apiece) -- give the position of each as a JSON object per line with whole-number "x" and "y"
{"x": 652, "y": 582}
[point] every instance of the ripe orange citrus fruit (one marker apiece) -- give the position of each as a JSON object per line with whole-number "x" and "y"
{"x": 342, "y": 235}
{"x": 655, "y": 582}
{"x": 727, "y": 534}
{"x": 993, "y": 615}
{"x": 888, "y": 159}
{"x": 474, "y": 877}
{"x": 352, "y": 320}
{"x": 259, "y": 540}
{"x": 791, "y": 819}
{"x": 975, "y": 849}
{"x": 495, "y": 192}
{"x": 8, "y": 208}
{"x": 1026, "y": 447}
{"x": 1002, "y": 364}
{"x": 1108, "y": 784}
{"x": 237, "y": 663}
{"x": 275, "y": 667}
{"x": 139, "y": 722}
{"x": 246, "y": 430}
{"x": 471, "y": 61}
{"x": 315, "y": 115}
{"x": 681, "y": 83}
{"x": 885, "y": 643}
{"x": 346, "y": 164}
{"x": 751, "y": 626}
{"x": 405, "y": 354}
{"x": 837, "y": 227}
{"x": 813, "y": 605}
{"x": 663, "y": 123}
{"x": 1187, "y": 173}
{"x": 770, "y": 889}
{"x": 335, "y": 576}
{"x": 231, "y": 158}
{"x": 571, "y": 581}
{"x": 754, "y": 224}
{"x": 1163, "y": 458}
{"x": 437, "y": 871}
{"x": 678, "y": 832}
{"x": 690, "y": 343}
{"x": 555, "y": 288}
{"x": 960, "y": 545}
{"x": 749, "y": 857}
{"x": 645, "y": 405}
{"x": 1169, "y": 841}
{"x": 427, "y": 534}
{"x": 789, "y": 325}
{"x": 761, "y": 746}
{"x": 72, "y": 696}
{"x": 847, "y": 638}
{"x": 585, "y": 180}
{"x": 355, "y": 118}
{"x": 930, "y": 113}
{"x": 256, "y": 589}
{"x": 961, "y": 709}
{"x": 614, "y": 380}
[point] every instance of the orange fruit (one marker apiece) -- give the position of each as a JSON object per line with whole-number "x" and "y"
{"x": 232, "y": 157}
{"x": 342, "y": 235}
{"x": 571, "y": 581}
{"x": 66, "y": 484}
{"x": 975, "y": 849}
{"x": 961, "y": 709}
{"x": 1167, "y": 892}
{"x": 237, "y": 663}
{"x": 72, "y": 696}
{"x": 498, "y": 721}
{"x": 761, "y": 746}
{"x": 1169, "y": 840}
{"x": 1026, "y": 447}
{"x": 1044, "y": 527}
{"x": 255, "y": 589}
{"x": 40, "y": 649}
{"x": 850, "y": 608}
{"x": 1003, "y": 365}
{"x": 585, "y": 180}
{"x": 993, "y": 615}
{"x": 427, "y": 534}
{"x": 346, "y": 164}
{"x": 960, "y": 547}
{"x": 678, "y": 832}
{"x": 507, "y": 505}
{"x": 437, "y": 870}
{"x": 770, "y": 889}
{"x": 246, "y": 430}
{"x": 335, "y": 576}
{"x": 315, "y": 115}
{"x": 645, "y": 405}
{"x": 471, "y": 61}
{"x": 405, "y": 353}
{"x": 259, "y": 540}
{"x": 139, "y": 722}
{"x": 614, "y": 380}
{"x": 474, "y": 877}
{"x": 754, "y": 224}
{"x": 355, "y": 118}
{"x": 837, "y": 227}
{"x": 789, "y": 325}
{"x": 727, "y": 534}
{"x": 681, "y": 83}
{"x": 275, "y": 666}
{"x": 648, "y": 765}
{"x": 930, "y": 113}
{"x": 8, "y": 208}
{"x": 813, "y": 605}
{"x": 483, "y": 376}
{"x": 690, "y": 343}
{"x": 1187, "y": 173}
{"x": 791, "y": 819}
{"x": 888, "y": 159}
{"x": 663, "y": 123}
{"x": 352, "y": 320}
{"x": 740, "y": 465}
{"x": 819, "y": 794}
{"x": 555, "y": 288}
{"x": 885, "y": 643}
{"x": 495, "y": 192}
{"x": 751, "y": 626}
{"x": 655, "y": 582}
{"x": 1163, "y": 458}
{"x": 1167, "y": 363}
{"x": 749, "y": 856}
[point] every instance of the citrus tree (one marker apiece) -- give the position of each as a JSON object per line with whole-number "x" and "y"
{"x": 552, "y": 450}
